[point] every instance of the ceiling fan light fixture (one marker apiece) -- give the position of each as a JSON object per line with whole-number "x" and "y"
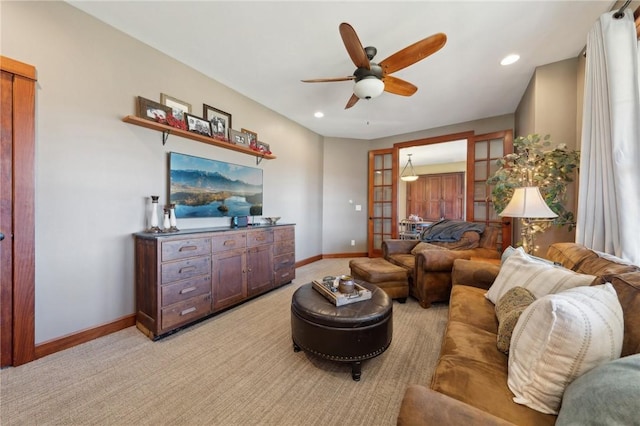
{"x": 368, "y": 88}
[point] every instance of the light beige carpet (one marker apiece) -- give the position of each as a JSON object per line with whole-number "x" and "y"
{"x": 237, "y": 368}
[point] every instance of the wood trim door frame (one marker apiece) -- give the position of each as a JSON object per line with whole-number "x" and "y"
{"x": 22, "y": 234}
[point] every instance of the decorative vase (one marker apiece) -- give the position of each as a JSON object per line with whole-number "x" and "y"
{"x": 172, "y": 218}
{"x": 166, "y": 223}
{"x": 154, "y": 215}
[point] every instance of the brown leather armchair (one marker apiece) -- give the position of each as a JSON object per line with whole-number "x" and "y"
{"x": 430, "y": 264}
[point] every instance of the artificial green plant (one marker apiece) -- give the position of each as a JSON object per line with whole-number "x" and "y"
{"x": 535, "y": 163}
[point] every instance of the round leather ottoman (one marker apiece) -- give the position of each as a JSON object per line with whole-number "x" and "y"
{"x": 349, "y": 333}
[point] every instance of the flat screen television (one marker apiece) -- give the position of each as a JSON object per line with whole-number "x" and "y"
{"x": 200, "y": 187}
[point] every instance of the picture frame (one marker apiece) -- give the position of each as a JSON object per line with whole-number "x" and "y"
{"x": 178, "y": 107}
{"x": 220, "y": 121}
{"x": 152, "y": 110}
{"x": 253, "y": 136}
{"x": 197, "y": 125}
{"x": 238, "y": 138}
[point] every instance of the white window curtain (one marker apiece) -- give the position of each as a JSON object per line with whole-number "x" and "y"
{"x": 609, "y": 192}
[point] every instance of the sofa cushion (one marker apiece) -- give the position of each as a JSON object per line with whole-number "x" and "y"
{"x": 508, "y": 310}
{"x": 569, "y": 255}
{"x": 540, "y": 278}
{"x": 628, "y": 288}
{"x": 425, "y": 246}
{"x": 482, "y": 385}
{"x": 617, "y": 381}
{"x": 469, "y": 305}
{"x": 558, "y": 338}
{"x": 405, "y": 260}
{"x": 604, "y": 264}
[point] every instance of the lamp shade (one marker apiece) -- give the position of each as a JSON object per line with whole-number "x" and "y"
{"x": 527, "y": 202}
{"x": 408, "y": 175}
{"x": 368, "y": 87}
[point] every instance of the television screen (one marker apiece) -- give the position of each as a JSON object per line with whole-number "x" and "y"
{"x": 200, "y": 187}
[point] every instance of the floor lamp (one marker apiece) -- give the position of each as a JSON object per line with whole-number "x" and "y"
{"x": 527, "y": 203}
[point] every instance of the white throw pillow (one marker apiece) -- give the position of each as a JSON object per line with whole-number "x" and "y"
{"x": 538, "y": 276}
{"x": 558, "y": 338}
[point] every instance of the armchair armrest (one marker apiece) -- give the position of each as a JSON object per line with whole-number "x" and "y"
{"x": 474, "y": 273}
{"x": 390, "y": 247}
{"x": 423, "y": 406}
{"x": 439, "y": 260}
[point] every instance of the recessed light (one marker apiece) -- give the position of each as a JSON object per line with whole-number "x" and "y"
{"x": 318, "y": 114}
{"x": 510, "y": 59}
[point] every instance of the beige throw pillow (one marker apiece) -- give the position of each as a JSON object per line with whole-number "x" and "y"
{"x": 539, "y": 277}
{"x": 558, "y": 338}
{"x": 508, "y": 310}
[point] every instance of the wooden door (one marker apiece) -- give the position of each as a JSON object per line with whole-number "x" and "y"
{"x": 17, "y": 188}
{"x": 229, "y": 279}
{"x": 452, "y": 187}
{"x": 259, "y": 269}
{"x": 383, "y": 214}
{"x": 482, "y": 153}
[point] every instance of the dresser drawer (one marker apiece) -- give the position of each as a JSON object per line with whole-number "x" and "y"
{"x": 186, "y": 311}
{"x": 282, "y": 247}
{"x": 185, "y": 289}
{"x": 183, "y": 269}
{"x": 180, "y": 249}
{"x": 283, "y": 262}
{"x": 284, "y": 233}
{"x": 256, "y": 238}
{"x": 229, "y": 241}
{"x": 284, "y": 276}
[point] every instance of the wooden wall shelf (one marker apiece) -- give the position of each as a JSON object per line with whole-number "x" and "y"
{"x": 168, "y": 130}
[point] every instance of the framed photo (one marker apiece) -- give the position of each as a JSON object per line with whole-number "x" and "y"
{"x": 220, "y": 121}
{"x": 152, "y": 110}
{"x": 253, "y": 137}
{"x": 238, "y": 138}
{"x": 197, "y": 125}
{"x": 178, "y": 107}
{"x": 263, "y": 147}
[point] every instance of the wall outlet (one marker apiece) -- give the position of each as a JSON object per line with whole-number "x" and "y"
{"x": 353, "y": 242}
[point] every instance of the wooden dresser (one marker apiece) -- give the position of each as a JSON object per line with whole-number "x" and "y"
{"x": 189, "y": 275}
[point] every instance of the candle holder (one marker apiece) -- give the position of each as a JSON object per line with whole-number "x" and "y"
{"x": 172, "y": 218}
{"x": 153, "y": 222}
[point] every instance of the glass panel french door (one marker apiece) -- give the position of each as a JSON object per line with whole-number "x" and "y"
{"x": 382, "y": 177}
{"x": 482, "y": 153}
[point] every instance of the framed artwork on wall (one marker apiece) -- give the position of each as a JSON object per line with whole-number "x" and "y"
{"x": 200, "y": 187}
{"x": 220, "y": 121}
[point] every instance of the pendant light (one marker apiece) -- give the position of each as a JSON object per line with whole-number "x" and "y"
{"x": 408, "y": 175}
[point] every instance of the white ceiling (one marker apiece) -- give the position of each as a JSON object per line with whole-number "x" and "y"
{"x": 263, "y": 49}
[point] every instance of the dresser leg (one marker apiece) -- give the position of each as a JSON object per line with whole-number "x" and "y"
{"x": 356, "y": 370}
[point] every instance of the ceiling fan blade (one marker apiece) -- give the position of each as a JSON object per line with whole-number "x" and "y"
{"x": 328, "y": 80}
{"x": 414, "y": 53}
{"x": 354, "y": 47}
{"x": 352, "y": 101}
{"x": 398, "y": 86}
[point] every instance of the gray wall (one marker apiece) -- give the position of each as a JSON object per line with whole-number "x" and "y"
{"x": 551, "y": 105}
{"x": 94, "y": 173}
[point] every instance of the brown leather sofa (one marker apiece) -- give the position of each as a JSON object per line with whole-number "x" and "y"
{"x": 469, "y": 385}
{"x": 429, "y": 265}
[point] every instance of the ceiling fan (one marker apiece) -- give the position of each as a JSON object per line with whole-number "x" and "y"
{"x": 371, "y": 78}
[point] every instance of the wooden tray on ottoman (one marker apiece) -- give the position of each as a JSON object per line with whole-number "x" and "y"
{"x": 340, "y": 299}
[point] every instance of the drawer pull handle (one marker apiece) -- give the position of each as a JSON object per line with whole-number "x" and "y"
{"x": 188, "y": 311}
{"x": 260, "y": 238}
{"x": 187, "y": 269}
{"x": 285, "y": 275}
{"x": 187, "y": 290}
{"x": 188, "y": 248}
{"x": 230, "y": 243}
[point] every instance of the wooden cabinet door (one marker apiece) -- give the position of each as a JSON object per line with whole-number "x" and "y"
{"x": 452, "y": 185}
{"x": 229, "y": 278}
{"x": 259, "y": 269}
